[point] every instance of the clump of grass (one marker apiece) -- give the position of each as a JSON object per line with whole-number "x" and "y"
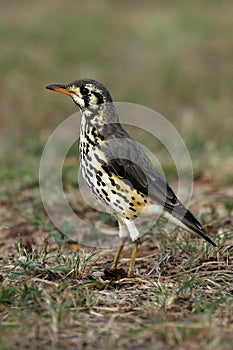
{"x": 34, "y": 262}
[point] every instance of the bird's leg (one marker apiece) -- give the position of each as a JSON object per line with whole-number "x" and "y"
{"x": 118, "y": 254}
{"x": 133, "y": 257}
{"x": 123, "y": 233}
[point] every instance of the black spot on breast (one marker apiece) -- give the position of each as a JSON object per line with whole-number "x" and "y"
{"x": 112, "y": 182}
{"x": 101, "y": 161}
{"x": 92, "y": 168}
{"x": 90, "y": 141}
{"x": 105, "y": 193}
{"x": 89, "y": 172}
{"x": 85, "y": 162}
{"x": 132, "y": 209}
{"x": 98, "y": 177}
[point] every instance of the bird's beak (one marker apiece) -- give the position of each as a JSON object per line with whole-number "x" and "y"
{"x": 59, "y": 88}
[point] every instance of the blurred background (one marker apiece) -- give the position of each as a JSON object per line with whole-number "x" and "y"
{"x": 174, "y": 57}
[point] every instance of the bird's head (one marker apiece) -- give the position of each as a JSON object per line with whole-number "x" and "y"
{"x": 86, "y": 93}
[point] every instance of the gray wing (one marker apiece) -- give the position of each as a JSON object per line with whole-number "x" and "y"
{"x": 127, "y": 160}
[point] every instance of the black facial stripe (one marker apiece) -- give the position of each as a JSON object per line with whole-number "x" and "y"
{"x": 98, "y": 96}
{"x": 86, "y": 100}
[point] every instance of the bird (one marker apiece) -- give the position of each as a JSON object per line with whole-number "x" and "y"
{"x": 117, "y": 170}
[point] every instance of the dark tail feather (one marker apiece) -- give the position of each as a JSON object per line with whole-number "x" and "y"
{"x": 187, "y": 218}
{"x": 202, "y": 234}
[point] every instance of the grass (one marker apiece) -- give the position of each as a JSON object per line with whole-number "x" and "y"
{"x": 175, "y": 58}
{"x": 57, "y": 294}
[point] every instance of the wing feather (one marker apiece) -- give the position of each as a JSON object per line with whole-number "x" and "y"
{"x": 127, "y": 160}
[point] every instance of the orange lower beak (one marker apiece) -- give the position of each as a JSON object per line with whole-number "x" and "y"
{"x": 59, "y": 88}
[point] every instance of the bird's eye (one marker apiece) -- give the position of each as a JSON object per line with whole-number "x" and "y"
{"x": 84, "y": 91}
